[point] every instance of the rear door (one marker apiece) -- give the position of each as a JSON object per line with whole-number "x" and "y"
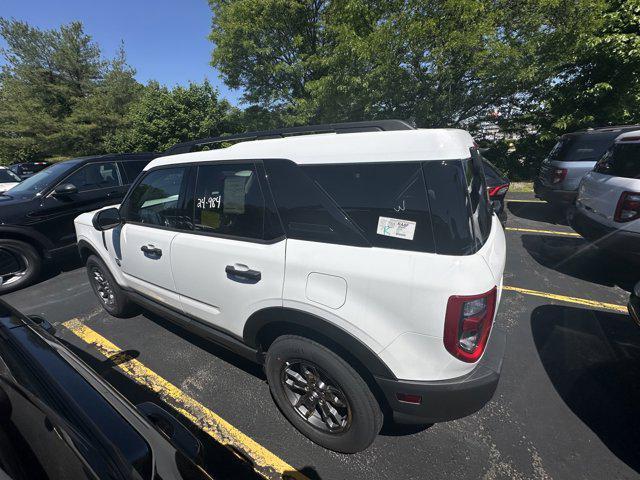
{"x": 153, "y": 214}
{"x": 232, "y": 263}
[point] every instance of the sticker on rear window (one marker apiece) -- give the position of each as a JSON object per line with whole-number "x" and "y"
{"x": 394, "y": 227}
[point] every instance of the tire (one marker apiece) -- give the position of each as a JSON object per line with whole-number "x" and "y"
{"x": 26, "y": 258}
{"x": 112, "y": 298}
{"x": 360, "y": 412}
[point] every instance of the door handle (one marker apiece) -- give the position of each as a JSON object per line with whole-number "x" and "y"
{"x": 254, "y": 275}
{"x": 151, "y": 251}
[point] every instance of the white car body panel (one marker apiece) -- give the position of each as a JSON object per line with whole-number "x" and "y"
{"x": 208, "y": 293}
{"x": 8, "y": 185}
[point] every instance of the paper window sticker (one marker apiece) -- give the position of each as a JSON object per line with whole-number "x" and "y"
{"x": 396, "y": 228}
{"x": 234, "y": 196}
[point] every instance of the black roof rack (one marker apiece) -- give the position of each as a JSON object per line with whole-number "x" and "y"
{"x": 348, "y": 127}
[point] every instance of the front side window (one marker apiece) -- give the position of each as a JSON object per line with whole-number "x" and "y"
{"x": 95, "y": 176}
{"x": 229, "y": 201}
{"x": 156, "y": 200}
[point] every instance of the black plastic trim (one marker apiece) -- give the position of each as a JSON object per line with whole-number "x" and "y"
{"x": 346, "y": 127}
{"x": 225, "y": 339}
{"x": 282, "y": 315}
{"x": 446, "y": 400}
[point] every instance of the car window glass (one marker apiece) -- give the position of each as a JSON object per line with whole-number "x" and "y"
{"x": 133, "y": 168}
{"x": 95, "y": 176}
{"x": 42, "y": 180}
{"x": 387, "y": 201}
{"x": 307, "y": 211}
{"x": 229, "y": 201}
{"x": 622, "y": 160}
{"x": 156, "y": 199}
{"x": 7, "y": 176}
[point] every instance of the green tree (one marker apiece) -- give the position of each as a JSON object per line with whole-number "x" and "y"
{"x": 439, "y": 62}
{"x": 58, "y": 97}
{"x": 163, "y": 117}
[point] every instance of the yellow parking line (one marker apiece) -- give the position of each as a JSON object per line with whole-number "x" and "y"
{"x": 563, "y": 298}
{"x": 550, "y": 232}
{"x": 266, "y": 463}
{"x": 536, "y": 200}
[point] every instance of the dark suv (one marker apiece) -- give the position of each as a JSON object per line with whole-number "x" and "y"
{"x": 36, "y": 216}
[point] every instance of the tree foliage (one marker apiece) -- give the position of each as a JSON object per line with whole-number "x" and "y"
{"x": 163, "y": 117}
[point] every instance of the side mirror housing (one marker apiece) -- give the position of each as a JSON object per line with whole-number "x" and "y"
{"x": 107, "y": 219}
{"x": 65, "y": 189}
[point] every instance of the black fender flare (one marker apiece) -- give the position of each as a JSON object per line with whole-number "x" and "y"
{"x": 33, "y": 236}
{"x": 84, "y": 246}
{"x": 289, "y": 318}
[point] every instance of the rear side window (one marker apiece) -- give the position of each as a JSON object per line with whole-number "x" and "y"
{"x": 481, "y": 211}
{"x": 306, "y": 210}
{"x": 622, "y": 160}
{"x": 132, "y": 169}
{"x": 386, "y": 201}
{"x": 450, "y": 207}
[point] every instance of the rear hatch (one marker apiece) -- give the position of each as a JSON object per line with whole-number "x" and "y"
{"x": 617, "y": 172}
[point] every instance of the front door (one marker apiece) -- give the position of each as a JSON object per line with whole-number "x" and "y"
{"x": 152, "y": 215}
{"x": 95, "y": 184}
{"x": 232, "y": 263}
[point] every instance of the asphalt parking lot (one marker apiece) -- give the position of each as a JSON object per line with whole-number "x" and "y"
{"x": 566, "y": 405}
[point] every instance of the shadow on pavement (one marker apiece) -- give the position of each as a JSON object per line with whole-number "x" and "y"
{"x": 593, "y": 360}
{"x": 222, "y": 353}
{"x": 538, "y": 212}
{"x": 577, "y": 258}
{"x": 219, "y": 461}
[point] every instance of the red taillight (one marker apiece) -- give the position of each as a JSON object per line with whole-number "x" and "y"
{"x": 498, "y": 191}
{"x": 409, "y": 398}
{"x": 467, "y": 324}
{"x": 559, "y": 175}
{"x": 628, "y": 207}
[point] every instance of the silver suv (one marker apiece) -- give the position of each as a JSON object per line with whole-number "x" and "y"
{"x": 572, "y": 158}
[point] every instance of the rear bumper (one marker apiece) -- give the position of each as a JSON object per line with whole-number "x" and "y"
{"x": 445, "y": 400}
{"x": 605, "y": 237}
{"x": 552, "y": 195}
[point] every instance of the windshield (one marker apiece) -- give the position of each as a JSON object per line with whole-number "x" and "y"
{"x": 41, "y": 180}
{"x": 7, "y": 176}
{"x": 587, "y": 147}
{"x": 622, "y": 160}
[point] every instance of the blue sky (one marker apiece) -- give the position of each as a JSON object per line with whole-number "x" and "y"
{"x": 165, "y": 40}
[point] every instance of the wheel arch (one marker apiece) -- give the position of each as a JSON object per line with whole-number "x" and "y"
{"x": 41, "y": 243}
{"x": 85, "y": 249}
{"x": 265, "y": 325}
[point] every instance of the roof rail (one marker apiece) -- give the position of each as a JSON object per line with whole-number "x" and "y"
{"x": 347, "y": 127}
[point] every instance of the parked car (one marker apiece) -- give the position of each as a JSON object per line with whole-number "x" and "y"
{"x": 608, "y": 204}
{"x": 497, "y": 186}
{"x": 385, "y": 300}
{"x": 28, "y": 169}
{"x": 36, "y": 216}
{"x": 8, "y": 179}
{"x": 59, "y": 420}
{"x": 634, "y": 304}
{"x": 572, "y": 158}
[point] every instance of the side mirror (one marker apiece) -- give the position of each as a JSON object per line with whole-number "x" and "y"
{"x": 107, "y": 219}
{"x": 65, "y": 189}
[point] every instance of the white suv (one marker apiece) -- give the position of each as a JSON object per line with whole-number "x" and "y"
{"x": 362, "y": 269}
{"x": 608, "y": 204}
